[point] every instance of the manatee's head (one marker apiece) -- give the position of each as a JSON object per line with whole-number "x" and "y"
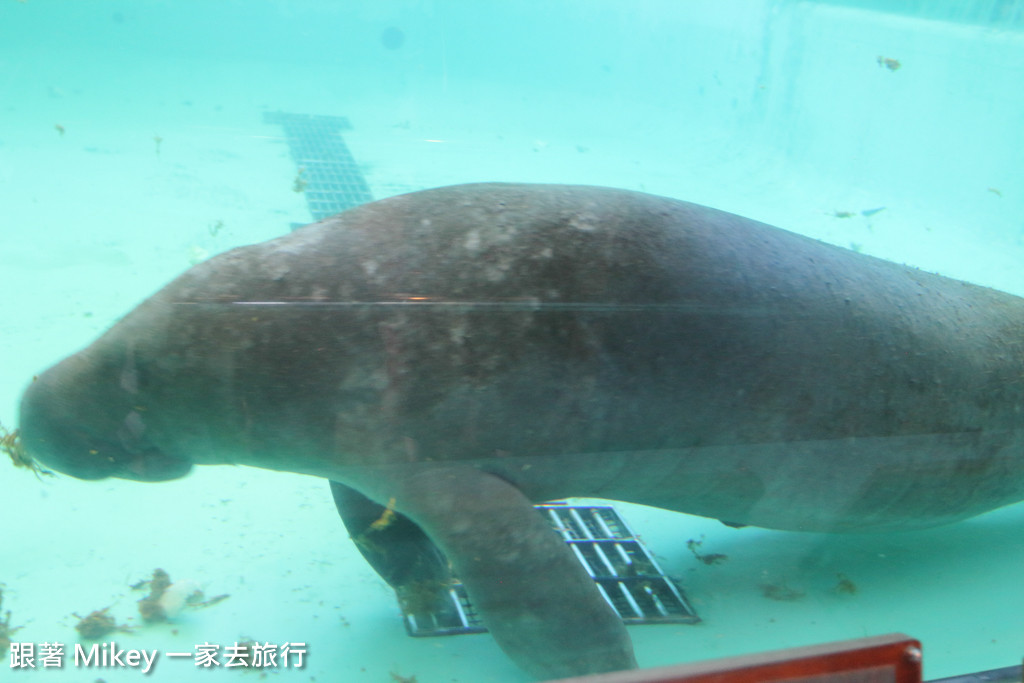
{"x": 78, "y": 419}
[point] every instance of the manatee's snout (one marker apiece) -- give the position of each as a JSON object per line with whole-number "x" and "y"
{"x": 89, "y": 439}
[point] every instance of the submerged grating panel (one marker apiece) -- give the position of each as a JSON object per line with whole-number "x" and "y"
{"x": 332, "y": 179}
{"x": 626, "y": 574}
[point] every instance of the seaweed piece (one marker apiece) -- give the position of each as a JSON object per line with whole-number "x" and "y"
{"x": 98, "y": 624}
{"x": 10, "y": 444}
{"x": 709, "y": 558}
{"x": 845, "y": 586}
{"x": 780, "y": 591}
{"x": 300, "y": 183}
{"x": 149, "y": 606}
{"x": 889, "y": 63}
{"x": 166, "y": 600}
{"x": 6, "y": 630}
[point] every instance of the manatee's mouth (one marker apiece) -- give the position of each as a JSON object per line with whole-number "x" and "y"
{"x": 95, "y": 451}
{"x": 89, "y": 458}
{"x": 148, "y": 465}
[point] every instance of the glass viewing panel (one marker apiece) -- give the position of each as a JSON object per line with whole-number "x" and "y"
{"x": 541, "y": 271}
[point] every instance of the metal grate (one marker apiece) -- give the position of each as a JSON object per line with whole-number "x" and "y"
{"x": 625, "y": 573}
{"x": 332, "y": 179}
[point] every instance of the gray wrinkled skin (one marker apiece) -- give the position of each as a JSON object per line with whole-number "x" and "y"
{"x": 469, "y": 350}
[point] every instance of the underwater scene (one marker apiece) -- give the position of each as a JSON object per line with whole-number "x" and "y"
{"x": 554, "y": 281}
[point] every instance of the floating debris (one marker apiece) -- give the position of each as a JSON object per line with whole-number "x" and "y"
{"x": 6, "y": 630}
{"x": 844, "y": 586}
{"x": 149, "y": 606}
{"x": 10, "y": 443}
{"x": 166, "y": 600}
{"x": 710, "y": 558}
{"x": 99, "y": 624}
{"x": 867, "y": 213}
{"x": 889, "y": 63}
{"x": 300, "y": 183}
{"x": 781, "y": 592}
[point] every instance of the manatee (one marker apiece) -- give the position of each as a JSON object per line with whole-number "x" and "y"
{"x": 450, "y": 357}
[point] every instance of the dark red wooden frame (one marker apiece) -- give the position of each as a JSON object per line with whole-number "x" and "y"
{"x": 893, "y": 658}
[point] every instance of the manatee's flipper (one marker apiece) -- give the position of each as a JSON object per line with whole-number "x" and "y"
{"x": 531, "y": 592}
{"x": 394, "y": 546}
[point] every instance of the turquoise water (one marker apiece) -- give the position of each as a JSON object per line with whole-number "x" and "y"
{"x": 133, "y": 144}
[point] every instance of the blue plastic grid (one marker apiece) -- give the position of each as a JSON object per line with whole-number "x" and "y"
{"x": 333, "y": 179}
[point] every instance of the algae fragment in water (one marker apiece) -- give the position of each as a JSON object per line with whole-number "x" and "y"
{"x": 98, "y": 624}
{"x": 781, "y": 592}
{"x": 844, "y": 586}
{"x": 10, "y": 444}
{"x": 167, "y": 599}
{"x": 889, "y": 63}
{"x": 6, "y": 630}
{"x": 300, "y": 181}
{"x": 149, "y": 607}
{"x": 706, "y": 558}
